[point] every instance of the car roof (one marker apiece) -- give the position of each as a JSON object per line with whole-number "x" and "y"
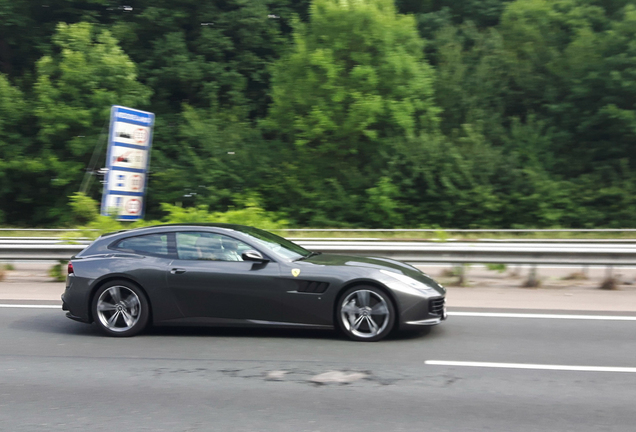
{"x": 233, "y": 227}
{"x": 103, "y": 242}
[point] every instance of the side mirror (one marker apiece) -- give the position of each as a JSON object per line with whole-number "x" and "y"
{"x": 252, "y": 255}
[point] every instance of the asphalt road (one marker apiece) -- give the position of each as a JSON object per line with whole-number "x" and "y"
{"x": 56, "y": 374}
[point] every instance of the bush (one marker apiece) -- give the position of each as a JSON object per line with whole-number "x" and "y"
{"x": 58, "y": 271}
{"x": 252, "y": 214}
{"x": 84, "y": 208}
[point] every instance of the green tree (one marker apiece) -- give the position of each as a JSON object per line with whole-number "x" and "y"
{"x": 26, "y": 29}
{"x": 205, "y": 53}
{"x": 13, "y": 112}
{"x": 216, "y": 159}
{"x": 77, "y": 86}
{"x": 74, "y": 91}
{"x": 575, "y": 68}
{"x": 354, "y": 78}
{"x": 473, "y": 80}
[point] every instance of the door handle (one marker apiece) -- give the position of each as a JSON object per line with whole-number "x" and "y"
{"x": 177, "y": 271}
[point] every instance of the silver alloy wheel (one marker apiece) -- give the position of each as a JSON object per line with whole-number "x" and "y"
{"x": 118, "y": 308}
{"x": 365, "y": 313}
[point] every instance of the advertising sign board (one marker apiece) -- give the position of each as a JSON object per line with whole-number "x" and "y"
{"x": 127, "y": 162}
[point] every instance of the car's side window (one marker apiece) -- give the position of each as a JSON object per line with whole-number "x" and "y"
{"x": 149, "y": 244}
{"x": 209, "y": 247}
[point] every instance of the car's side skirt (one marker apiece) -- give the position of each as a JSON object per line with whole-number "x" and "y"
{"x": 229, "y": 322}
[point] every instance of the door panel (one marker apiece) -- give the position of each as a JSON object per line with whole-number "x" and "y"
{"x": 217, "y": 289}
{"x": 210, "y": 279}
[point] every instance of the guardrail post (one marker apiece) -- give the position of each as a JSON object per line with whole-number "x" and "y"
{"x": 609, "y": 283}
{"x": 461, "y": 274}
{"x": 532, "y": 281}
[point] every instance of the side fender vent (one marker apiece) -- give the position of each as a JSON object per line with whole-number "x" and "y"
{"x": 312, "y": 287}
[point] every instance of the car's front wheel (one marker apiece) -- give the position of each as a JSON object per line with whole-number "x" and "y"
{"x": 120, "y": 308}
{"x": 365, "y": 313}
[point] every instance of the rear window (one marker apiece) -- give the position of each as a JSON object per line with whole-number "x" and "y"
{"x": 149, "y": 244}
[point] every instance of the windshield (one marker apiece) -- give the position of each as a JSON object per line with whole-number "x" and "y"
{"x": 276, "y": 244}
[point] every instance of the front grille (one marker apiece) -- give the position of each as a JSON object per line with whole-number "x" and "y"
{"x": 312, "y": 287}
{"x": 436, "y": 306}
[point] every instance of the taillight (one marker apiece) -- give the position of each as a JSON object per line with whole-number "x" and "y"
{"x": 70, "y": 268}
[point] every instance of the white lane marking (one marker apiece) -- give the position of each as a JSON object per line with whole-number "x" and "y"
{"x": 544, "y": 316}
{"x": 31, "y": 306}
{"x": 531, "y": 366}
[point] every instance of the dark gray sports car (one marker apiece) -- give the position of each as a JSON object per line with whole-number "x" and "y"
{"x": 235, "y": 275}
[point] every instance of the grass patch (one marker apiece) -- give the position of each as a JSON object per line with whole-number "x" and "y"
{"x": 576, "y": 276}
{"x": 498, "y": 267}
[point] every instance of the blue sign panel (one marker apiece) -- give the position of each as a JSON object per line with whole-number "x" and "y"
{"x": 127, "y": 162}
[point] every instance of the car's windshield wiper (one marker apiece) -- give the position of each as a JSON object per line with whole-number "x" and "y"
{"x": 308, "y": 256}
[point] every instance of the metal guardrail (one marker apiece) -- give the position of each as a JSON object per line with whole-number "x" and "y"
{"x": 461, "y": 230}
{"x": 43, "y": 229}
{"x": 49, "y": 252}
{"x": 412, "y": 252}
{"x": 431, "y": 230}
{"x": 503, "y": 255}
{"x": 85, "y": 240}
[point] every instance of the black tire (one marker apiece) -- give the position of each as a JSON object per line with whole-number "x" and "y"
{"x": 120, "y": 308}
{"x": 365, "y": 313}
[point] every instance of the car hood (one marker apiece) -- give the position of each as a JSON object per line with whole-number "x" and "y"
{"x": 376, "y": 263}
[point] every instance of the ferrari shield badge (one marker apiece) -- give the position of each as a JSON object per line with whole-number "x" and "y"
{"x": 295, "y": 272}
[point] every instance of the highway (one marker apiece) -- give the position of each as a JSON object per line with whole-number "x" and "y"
{"x": 56, "y": 374}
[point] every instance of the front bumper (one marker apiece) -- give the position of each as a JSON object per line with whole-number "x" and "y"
{"x": 428, "y": 312}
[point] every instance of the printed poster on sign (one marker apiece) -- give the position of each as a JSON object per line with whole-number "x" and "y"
{"x": 123, "y": 205}
{"x": 126, "y": 133}
{"x": 125, "y": 157}
{"x": 127, "y": 162}
{"x": 122, "y": 181}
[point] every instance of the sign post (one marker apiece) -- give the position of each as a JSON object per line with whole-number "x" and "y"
{"x": 127, "y": 162}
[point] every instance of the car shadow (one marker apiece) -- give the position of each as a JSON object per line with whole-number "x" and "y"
{"x": 274, "y": 333}
{"x": 63, "y": 326}
{"x": 60, "y": 324}
{"x": 410, "y": 334}
{"x": 240, "y": 332}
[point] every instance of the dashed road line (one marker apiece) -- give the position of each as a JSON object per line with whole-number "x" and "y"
{"x": 531, "y": 366}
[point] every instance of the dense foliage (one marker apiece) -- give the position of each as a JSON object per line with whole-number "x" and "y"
{"x": 375, "y": 113}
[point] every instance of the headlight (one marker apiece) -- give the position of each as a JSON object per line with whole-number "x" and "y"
{"x": 407, "y": 280}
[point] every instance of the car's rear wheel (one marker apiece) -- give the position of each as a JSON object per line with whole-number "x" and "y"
{"x": 365, "y": 313}
{"x": 120, "y": 308}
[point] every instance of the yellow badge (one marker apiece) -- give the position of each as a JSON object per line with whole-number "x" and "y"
{"x": 295, "y": 272}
